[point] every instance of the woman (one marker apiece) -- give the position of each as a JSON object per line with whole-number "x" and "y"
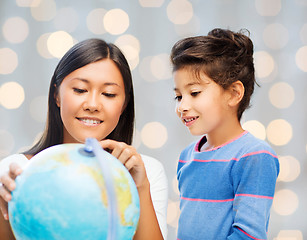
{"x": 91, "y": 95}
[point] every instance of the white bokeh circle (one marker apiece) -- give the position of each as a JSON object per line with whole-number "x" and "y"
{"x": 290, "y": 168}
{"x": 15, "y": 30}
{"x": 256, "y": 128}
{"x": 116, "y": 21}
{"x": 301, "y": 58}
{"x": 160, "y": 66}
{"x": 268, "y": 8}
{"x": 279, "y": 132}
{"x": 8, "y": 61}
{"x": 44, "y": 10}
{"x": 180, "y": 11}
{"x": 264, "y": 64}
{"x": 281, "y": 95}
{"x": 59, "y": 43}
{"x": 285, "y": 202}
{"x": 154, "y": 135}
{"x": 12, "y": 95}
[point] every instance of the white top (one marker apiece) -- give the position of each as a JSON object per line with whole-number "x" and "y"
{"x": 155, "y": 173}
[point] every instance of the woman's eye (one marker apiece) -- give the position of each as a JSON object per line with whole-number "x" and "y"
{"x": 111, "y": 95}
{"x": 194, "y": 94}
{"x": 78, "y": 90}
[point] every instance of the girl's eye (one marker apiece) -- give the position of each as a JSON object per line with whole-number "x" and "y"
{"x": 194, "y": 94}
{"x": 111, "y": 95}
{"x": 178, "y": 98}
{"x": 78, "y": 90}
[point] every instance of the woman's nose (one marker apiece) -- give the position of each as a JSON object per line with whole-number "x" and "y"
{"x": 92, "y": 103}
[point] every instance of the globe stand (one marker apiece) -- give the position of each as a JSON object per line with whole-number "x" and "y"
{"x": 93, "y": 148}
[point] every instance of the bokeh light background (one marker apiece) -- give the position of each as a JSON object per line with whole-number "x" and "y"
{"x": 36, "y": 33}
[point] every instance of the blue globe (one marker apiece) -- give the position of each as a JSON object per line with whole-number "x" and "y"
{"x": 63, "y": 194}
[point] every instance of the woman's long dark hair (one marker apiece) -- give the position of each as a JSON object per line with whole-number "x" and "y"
{"x": 81, "y": 54}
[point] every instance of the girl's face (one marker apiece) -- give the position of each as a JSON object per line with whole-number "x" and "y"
{"x": 202, "y": 105}
{"x": 91, "y": 100}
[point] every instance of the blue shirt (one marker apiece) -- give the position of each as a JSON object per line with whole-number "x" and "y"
{"x": 226, "y": 192}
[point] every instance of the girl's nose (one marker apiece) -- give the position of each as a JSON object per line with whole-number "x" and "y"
{"x": 182, "y": 106}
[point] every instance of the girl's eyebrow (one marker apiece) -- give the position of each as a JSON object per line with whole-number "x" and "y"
{"x": 188, "y": 85}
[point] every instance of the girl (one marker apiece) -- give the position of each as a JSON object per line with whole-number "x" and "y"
{"x": 91, "y": 95}
{"x": 227, "y": 178}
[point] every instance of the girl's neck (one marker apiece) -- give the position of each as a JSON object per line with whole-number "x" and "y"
{"x": 221, "y": 136}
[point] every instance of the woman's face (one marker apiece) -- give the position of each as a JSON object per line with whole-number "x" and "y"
{"x": 91, "y": 100}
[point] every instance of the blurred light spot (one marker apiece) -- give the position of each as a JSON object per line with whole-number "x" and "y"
{"x": 94, "y": 21}
{"x": 255, "y": 128}
{"x": 66, "y": 19}
{"x": 268, "y": 8}
{"x": 285, "y": 202}
{"x": 180, "y": 11}
{"x": 145, "y": 69}
{"x": 281, "y": 95}
{"x": 264, "y": 64}
{"x": 6, "y": 143}
{"x": 303, "y": 34}
{"x": 151, "y": 3}
{"x": 38, "y": 108}
{"x": 8, "y": 61}
{"x": 154, "y": 135}
{"x": 161, "y": 67}
{"x": 190, "y": 28}
{"x": 28, "y": 3}
{"x": 289, "y": 235}
{"x": 275, "y": 36}
{"x": 130, "y": 46}
{"x": 41, "y": 46}
{"x": 301, "y": 58}
{"x": 44, "y": 11}
{"x": 279, "y": 132}
{"x": 11, "y": 95}
{"x": 290, "y": 169}
{"x": 116, "y": 21}
{"x": 137, "y": 140}
{"x": 173, "y": 213}
{"x": 15, "y": 30}
{"x": 59, "y": 43}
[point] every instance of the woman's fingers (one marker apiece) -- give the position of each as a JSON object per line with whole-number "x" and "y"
{"x": 15, "y": 170}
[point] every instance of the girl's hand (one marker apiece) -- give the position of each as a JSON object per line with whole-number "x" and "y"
{"x": 130, "y": 158}
{"x": 7, "y": 185}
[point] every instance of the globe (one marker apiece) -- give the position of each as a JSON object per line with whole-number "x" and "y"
{"x": 64, "y": 194}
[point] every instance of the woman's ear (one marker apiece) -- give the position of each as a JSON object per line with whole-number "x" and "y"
{"x": 237, "y": 92}
{"x": 56, "y": 97}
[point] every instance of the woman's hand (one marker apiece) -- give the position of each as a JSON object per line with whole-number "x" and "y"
{"x": 130, "y": 158}
{"x": 7, "y": 186}
{"x": 148, "y": 226}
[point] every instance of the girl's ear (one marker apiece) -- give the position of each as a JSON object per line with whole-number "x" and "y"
{"x": 237, "y": 92}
